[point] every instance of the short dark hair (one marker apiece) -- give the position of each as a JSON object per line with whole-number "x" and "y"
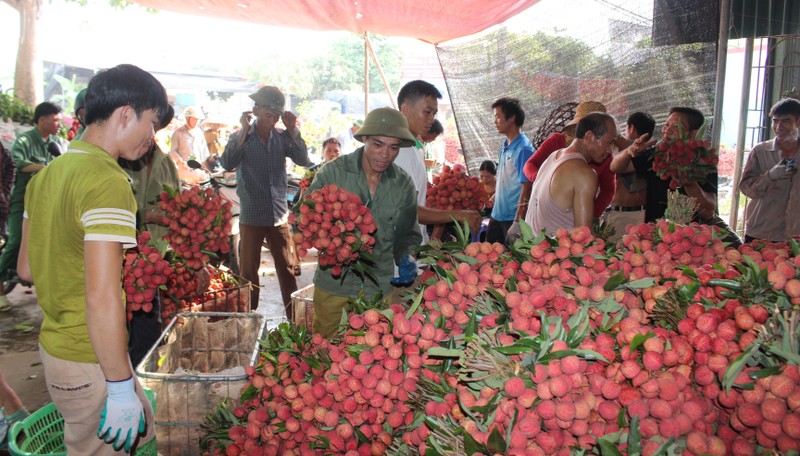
{"x": 416, "y": 90}
{"x": 694, "y": 117}
{"x": 643, "y": 123}
{"x": 45, "y": 108}
{"x": 511, "y": 107}
{"x": 489, "y": 166}
{"x": 166, "y": 117}
{"x": 123, "y": 85}
{"x": 596, "y": 122}
{"x": 436, "y": 128}
{"x": 331, "y": 140}
{"x": 785, "y": 107}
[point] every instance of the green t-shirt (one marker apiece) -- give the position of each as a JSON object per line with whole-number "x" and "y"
{"x": 81, "y": 196}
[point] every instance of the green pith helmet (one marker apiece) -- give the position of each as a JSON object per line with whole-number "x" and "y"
{"x": 80, "y": 99}
{"x": 386, "y": 122}
{"x": 271, "y": 98}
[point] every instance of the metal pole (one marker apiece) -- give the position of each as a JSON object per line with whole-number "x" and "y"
{"x": 380, "y": 70}
{"x": 722, "y": 58}
{"x": 366, "y": 75}
{"x": 742, "y": 130}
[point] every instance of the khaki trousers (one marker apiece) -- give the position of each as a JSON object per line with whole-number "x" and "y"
{"x": 620, "y": 220}
{"x": 327, "y": 312}
{"x": 79, "y": 392}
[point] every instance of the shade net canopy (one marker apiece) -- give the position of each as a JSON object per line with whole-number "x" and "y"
{"x": 558, "y": 52}
{"x": 434, "y": 21}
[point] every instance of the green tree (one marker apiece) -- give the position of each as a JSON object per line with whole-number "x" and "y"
{"x": 340, "y": 68}
{"x": 69, "y": 90}
{"x": 289, "y": 74}
{"x": 28, "y": 85}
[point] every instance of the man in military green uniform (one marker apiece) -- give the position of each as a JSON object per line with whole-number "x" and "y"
{"x": 389, "y": 192}
{"x": 31, "y": 151}
{"x": 80, "y": 112}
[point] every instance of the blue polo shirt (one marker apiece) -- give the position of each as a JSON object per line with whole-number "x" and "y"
{"x": 510, "y": 177}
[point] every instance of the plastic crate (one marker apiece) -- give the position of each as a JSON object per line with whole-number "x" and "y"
{"x": 198, "y": 361}
{"x": 303, "y": 303}
{"x": 42, "y": 434}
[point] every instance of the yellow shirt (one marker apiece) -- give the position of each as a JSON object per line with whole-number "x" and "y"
{"x": 81, "y": 196}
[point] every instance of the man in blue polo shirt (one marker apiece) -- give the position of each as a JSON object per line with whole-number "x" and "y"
{"x": 513, "y": 188}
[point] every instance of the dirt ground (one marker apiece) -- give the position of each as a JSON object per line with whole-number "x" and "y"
{"x": 19, "y": 331}
{"x": 19, "y": 355}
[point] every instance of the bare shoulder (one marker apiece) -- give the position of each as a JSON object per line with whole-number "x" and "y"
{"x": 576, "y": 167}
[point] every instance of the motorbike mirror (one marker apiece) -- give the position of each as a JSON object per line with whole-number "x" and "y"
{"x": 194, "y": 164}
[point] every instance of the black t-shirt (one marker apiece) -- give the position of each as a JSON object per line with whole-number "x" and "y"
{"x": 657, "y": 188}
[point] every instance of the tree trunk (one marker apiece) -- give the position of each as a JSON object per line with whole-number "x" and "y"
{"x": 28, "y": 85}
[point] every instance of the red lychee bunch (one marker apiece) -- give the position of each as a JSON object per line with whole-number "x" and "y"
{"x": 144, "y": 271}
{"x": 684, "y": 159}
{"x": 73, "y": 129}
{"x": 180, "y": 284}
{"x": 224, "y": 294}
{"x": 354, "y": 399}
{"x": 307, "y": 179}
{"x": 336, "y": 223}
{"x": 199, "y": 223}
{"x": 660, "y": 249}
{"x": 454, "y": 189}
{"x": 766, "y": 414}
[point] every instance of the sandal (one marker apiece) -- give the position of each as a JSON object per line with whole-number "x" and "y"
{"x": 297, "y": 270}
{"x": 5, "y": 305}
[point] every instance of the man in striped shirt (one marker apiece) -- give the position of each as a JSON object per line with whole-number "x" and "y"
{"x": 79, "y": 218}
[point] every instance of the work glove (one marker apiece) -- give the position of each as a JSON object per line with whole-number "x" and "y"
{"x": 781, "y": 171}
{"x": 513, "y": 233}
{"x": 122, "y": 419}
{"x": 406, "y": 272}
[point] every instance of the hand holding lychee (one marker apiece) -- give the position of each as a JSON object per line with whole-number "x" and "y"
{"x": 336, "y": 223}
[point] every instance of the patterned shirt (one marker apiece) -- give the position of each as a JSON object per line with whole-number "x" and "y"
{"x": 261, "y": 173}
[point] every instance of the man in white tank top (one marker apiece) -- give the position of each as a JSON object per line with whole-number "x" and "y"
{"x": 563, "y": 192}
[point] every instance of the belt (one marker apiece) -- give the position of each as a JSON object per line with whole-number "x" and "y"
{"x": 625, "y": 208}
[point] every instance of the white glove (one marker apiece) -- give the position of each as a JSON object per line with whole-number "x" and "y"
{"x": 781, "y": 171}
{"x": 513, "y": 233}
{"x": 122, "y": 419}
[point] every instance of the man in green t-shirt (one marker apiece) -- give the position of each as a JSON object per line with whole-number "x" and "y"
{"x": 79, "y": 218}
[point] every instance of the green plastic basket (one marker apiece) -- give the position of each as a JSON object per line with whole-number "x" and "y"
{"x": 42, "y": 434}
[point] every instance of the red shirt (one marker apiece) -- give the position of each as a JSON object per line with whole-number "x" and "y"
{"x": 606, "y": 180}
